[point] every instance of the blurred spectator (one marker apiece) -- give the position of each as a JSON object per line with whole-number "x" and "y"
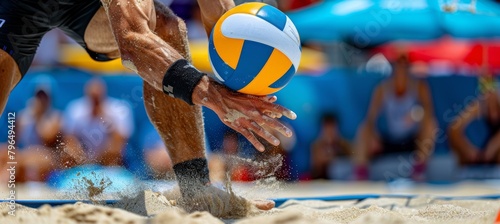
{"x": 327, "y": 147}
{"x": 39, "y": 122}
{"x": 487, "y": 107}
{"x": 407, "y": 105}
{"x": 97, "y": 127}
{"x": 155, "y": 154}
{"x": 226, "y": 162}
{"x": 38, "y": 137}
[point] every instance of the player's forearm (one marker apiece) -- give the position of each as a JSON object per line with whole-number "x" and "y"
{"x": 148, "y": 55}
{"x": 141, "y": 50}
{"x": 159, "y": 64}
{"x": 212, "y": 10}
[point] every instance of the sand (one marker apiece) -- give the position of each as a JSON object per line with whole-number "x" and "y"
{"x": 156, "y": 208}
{"x": 152, "y": 207}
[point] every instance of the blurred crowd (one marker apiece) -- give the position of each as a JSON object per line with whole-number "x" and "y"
{"x": 95, "y": 128}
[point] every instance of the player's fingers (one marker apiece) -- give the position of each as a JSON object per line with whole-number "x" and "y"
{"x": 290, "y": 114}
{"x": 278, "y": 109}
{"x": 267, "y": 98}
{"x": 251, "y": 137}
{"x": 272, "y": 99}
{"x": 274, "y": 124}
{"x": 273, "y": 115}
{"x": 257, "y": 129}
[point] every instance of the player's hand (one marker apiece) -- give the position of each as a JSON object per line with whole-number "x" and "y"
{"x": 246, "y": 114}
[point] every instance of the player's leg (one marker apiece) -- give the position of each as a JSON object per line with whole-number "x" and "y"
{"x": 181, "y": 125}
{"x": 9, "y": 77}
{"x": 181, "y": 128}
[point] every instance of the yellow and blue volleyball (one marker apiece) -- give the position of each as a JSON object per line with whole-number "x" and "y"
{"x": 255, "y": 49}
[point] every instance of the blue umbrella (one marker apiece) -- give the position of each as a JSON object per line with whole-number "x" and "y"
{"x": 371, "y": 22}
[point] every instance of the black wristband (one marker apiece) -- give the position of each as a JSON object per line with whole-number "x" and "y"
{"x": 192, "y": 175}
{"x": 180, "y": 79}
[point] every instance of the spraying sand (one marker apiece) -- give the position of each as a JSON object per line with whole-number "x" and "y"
{"x": 167, "y": 207}
{"x": 150, "y": 207}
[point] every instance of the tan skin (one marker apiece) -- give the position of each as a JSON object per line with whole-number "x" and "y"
{"x": 466, "y": 151}
{"x": 38, "y": 158}
{"x": 149, "y": 39}
{"x": 35, "y": 161}
{"x": 47, "y": 128}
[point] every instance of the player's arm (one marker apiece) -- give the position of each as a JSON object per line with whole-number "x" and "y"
{"x": 212, "y": 10}
{"x": 228, "y": 111}
{"x": 141, "y": 50}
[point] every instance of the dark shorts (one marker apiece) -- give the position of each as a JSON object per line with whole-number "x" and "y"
{"x": 24, "y": 22}
{"x": 404, "y": 145}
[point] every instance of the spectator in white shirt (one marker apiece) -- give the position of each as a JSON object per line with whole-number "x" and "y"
{"x": 97, "y": 127}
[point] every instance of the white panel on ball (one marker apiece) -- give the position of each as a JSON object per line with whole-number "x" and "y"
{"x": 250, "y": 27}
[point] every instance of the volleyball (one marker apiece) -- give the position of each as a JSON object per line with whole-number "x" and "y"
{"x": 255, "y": 49}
